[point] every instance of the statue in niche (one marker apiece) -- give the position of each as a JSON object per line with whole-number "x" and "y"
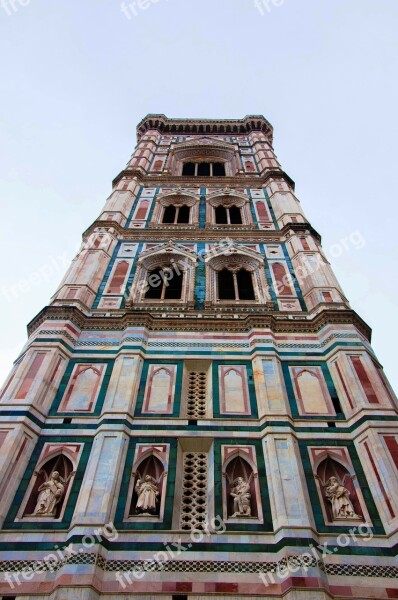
{"x": 148, "y": 495}
{"x": 240, "y": 493}
{"x": 50, "y": 493}
{"x": 339, "y": 497}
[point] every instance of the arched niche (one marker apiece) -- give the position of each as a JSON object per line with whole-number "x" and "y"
{"x": 50, "y": 488}
{"x": 241, "y": 489}
{"x": 147, "y": 488}
{"x": 337, "y": 504}
{"x": 239, "y": 469}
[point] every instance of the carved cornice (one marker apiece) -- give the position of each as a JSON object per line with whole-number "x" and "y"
{"x": 220, "y": 320}
{"x": 205, "y": 127}
{"x": 191, "y": 233}
{"x": 240, "y": 180}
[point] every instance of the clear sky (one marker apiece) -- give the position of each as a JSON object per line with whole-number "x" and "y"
{"x": 77, "y": 76}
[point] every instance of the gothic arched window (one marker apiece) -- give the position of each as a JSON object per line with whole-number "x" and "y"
{"x": 203, "y": 169}
{"x": 228, "y": 215}
{"x": 176, "y": 214}
{"x": 235, "y": 285}
{"x": 164, "y": 283}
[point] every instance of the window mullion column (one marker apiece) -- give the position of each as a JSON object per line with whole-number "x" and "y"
{"x": 236, "y": 286}
{"x": 196, "y": 169}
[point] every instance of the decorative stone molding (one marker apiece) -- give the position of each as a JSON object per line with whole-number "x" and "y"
{"x": 205, "y": 126}
{"x": 176, "y": 198}
{"x": 170, "y": 257}
{"x": 233, "y": 257}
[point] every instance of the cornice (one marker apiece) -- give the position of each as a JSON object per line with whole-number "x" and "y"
{"x": 202, "y": 127}
{"x": 165, "y": 179}
{"x": 211, "y": 234}
{"x": 276, "y": 322}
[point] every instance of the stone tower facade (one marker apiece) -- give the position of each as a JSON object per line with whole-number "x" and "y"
{"x": 198, "y": 412}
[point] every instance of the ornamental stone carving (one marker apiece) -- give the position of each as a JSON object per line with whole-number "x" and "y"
{"x": 339, "y": 497}
{"x": 240, "y": 493}
{"x": 147, "y": 491}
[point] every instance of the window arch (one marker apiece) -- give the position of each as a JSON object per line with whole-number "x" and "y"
{"x": 203, "y": 157}
{"x": 165, "y": 273}
{"x": 228, "y": 215}
{"x": 229, "y": 209}
{"x": 164, "y": 283}
{"x": 203, "y": 169}
{"x": 175, "y": 214}
{"x": 235, "y": 285}
{"x": 178, "y": 209}
{"x": 238, "y": 276}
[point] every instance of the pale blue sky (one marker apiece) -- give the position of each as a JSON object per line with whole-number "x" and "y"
{"x": 76, "y": 77}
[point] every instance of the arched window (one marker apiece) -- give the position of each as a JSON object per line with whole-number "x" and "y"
{"x": 226, "y": 287}
{"x": 218, "y": 169}
{"x": 188, "y": 169}
{"x": 176, "y": 214}
{"x": 169, "y": 214}
{"x": 235, "y": 217}
{"x": 245, "y": 285}
{"x": 228, "y": 215}
{"x": 164, "y": 283}
{"x": 203, "y": 169}
{"x": 221, "y": 215}
{"x": 235, "y": 285}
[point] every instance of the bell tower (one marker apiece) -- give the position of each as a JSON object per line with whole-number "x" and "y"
{"x": 198, "y": 412}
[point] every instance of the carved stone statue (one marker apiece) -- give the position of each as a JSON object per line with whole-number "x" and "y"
{"x": 339, "y": 497}
{"x": 147, "y": 492}
{"x": 240, "y": 492}
{"x": 50, "y": 494}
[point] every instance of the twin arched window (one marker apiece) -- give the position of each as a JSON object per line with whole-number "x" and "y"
{"x": 176, "y": 214}
{"x": 235, "y": 285}
{"x": 164, "y": 284}
{"x": 228, "y": 215}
